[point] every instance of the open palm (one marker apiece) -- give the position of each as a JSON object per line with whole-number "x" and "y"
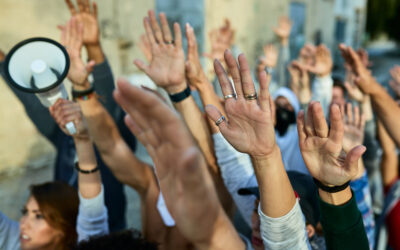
{"x": 249, "y": 126}
{"x": 322, "y": 147}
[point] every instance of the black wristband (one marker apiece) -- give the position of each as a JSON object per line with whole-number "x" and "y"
{"x": 79, "y": 93}
{"x": 333, "y": 189}
{"x": 178, "y": 97}
{"x": 86, "y": 171}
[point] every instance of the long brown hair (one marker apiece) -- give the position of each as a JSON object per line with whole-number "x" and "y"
{"x": 59, "y": 204}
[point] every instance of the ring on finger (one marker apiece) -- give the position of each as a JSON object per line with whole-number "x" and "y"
{"x": 230, "y": 96}
{"x": 220, "y": 120}
{"x": 170, "y": 42}
{"x": 251, "y": 97}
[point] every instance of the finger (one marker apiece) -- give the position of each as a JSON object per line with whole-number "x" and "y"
{"x": 309, "y": 125}
{"x": 234, "y": 72}
{"x": 343, "y": 112}
{"x": 301, "y": 130}
{"x": 319, "y": 122}
{"x": 178, "y": 36}
{"x": 156, "y": 27}
{"x": 336, "y": 130}
{"x": 362, "y": 122}
{"x": 264, "y": 95}
{"x": 352, "y": 159}
{"x": 95, "y": 10}
{"x": 71, "y": 7}
{"x": 356, "y": 121}
{"x": 349, "y": 113}
{"x": 63, "y": 34}
{"x": 81, "y": 6}
{"x": 247, "y": 82}
{"x": 135, "y": 129}
{"x": 149, "y": 31}
{"x": 86, "y": 6}
{"x": 191, "y": 38}
{"x": 90, "y": 66}
{"x": 141, "y": 65}
{"x": 214, "y": 114}
{"x": 61, "y": 27}
{"x": 165, "y": 28}
{"x": 223, "y": 80}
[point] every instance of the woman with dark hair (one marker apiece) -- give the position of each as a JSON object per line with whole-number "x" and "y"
{"x": 56, "y": 216}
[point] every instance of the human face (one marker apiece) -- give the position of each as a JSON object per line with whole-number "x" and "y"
{"x": 338, "y": 96}
{"x": 35, "y": 232}
{"x": 256, "y": 239}
{"x": 283, "y": 103}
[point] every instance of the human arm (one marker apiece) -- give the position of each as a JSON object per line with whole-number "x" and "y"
{"x": 249, "y": 128}
{"x": 300, "y": 82}
{"x": 384, "y": 105}
{"x": 328, "y": 163}
{"x": 92, "y": 217}
{"x": 389, "y": 162}
{"x": 181, "y": 169}
{"x": 9, "y": 233}
{"x": 282, "y": 31}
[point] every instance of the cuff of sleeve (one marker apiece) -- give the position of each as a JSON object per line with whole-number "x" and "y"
{"x": 324, "y": 80}
{"x": 93, "y": 207}
{"x": 272, "y": 223}
{"x": 218, "y": 139}
{"x": 339, "y": 218}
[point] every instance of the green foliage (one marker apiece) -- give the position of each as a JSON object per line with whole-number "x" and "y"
{"x": 383, "y": 17}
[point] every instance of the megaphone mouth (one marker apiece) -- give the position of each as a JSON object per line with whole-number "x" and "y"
{"x": 61, "y": 74}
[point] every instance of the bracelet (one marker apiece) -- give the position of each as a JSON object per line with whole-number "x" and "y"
{"x": 178, "y": 97}
{"x": 333, "y": 189}
{"x": 85, "y": 171}
{"x": 86, "y": 97}
{"x": 81, "y": 93}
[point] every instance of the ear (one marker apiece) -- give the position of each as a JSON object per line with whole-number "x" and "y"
{"x": 310, "y": 230}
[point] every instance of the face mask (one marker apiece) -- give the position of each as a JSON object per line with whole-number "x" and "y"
{"x": 284, "y": 118}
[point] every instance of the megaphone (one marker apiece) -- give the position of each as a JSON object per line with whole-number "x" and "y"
{"x": 39, "y": 66}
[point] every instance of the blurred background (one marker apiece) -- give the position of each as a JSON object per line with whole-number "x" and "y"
{"x": 26, "y": 157}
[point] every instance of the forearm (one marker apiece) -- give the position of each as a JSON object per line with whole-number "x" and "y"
{"x": 277, "y": 197}
{"x": 366, "y": 108}
{"x": 111, "y": 146}
{"x": 89, "y": 184}
{"x": 197, "y": 125}
{"x": 95, "y": 53}
{"x": 389, "y": 168}
{"x": 386, "y": 109}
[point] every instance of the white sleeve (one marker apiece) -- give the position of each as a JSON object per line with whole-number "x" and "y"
{"x": 92, "y": 216}
{"x": 237, "y": 172}
{"x": 9, "y": 233}
{"x": 322, "y": 92}
{"x": 286, "y": 232}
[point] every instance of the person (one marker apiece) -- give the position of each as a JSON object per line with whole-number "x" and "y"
{"x": 181, "y": 169}
{"x": 103, "y": 82}
{"x": 249, "y": 128}
{"x": 332, "y": 170}
{"x": 115, "y": 151}
{"x": 55, "y": 215}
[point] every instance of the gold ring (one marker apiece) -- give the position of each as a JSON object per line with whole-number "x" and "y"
{"x": 251, "y": 97}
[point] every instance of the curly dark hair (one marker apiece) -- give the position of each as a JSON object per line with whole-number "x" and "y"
{"x": 124, "y": 240}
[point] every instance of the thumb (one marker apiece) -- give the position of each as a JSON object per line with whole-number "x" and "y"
{"x": 89, "y": 66}
{"x": 351, "y": 161}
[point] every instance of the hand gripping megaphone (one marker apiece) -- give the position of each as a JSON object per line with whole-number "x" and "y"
{"x": 39, "y": 66}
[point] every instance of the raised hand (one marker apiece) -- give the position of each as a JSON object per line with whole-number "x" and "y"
{"x": 87, "y": 15}
{"x": 322, "y": 148}
{"x": 322, "y": 62}
{"x": 194, "y": 71}
{"x": 64, "y": 111}
{"x": 363, "y": 78}
{"x": 270, "y": 57}
{"x": 354, "y": 124}
{"x": 249, "y": 125}
{"x": 307, "y": 55}
{"x": 395, "y": 82}
{"x": 167, "y": 65}
{"x": 300, "y": 81}
{"x": 363, "y": 54}
{"x": 221, "y": 39}
{"x": 71, "y": 38}
{"x": 283, "y": 29}
{"x": 181, "y": 170}
{"x": 354, "y": 92}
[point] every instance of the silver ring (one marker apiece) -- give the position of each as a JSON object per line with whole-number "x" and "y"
{"x": 220, "y": 120}
{"x": 230, "y": 96}
{"x": 251, "y": 97}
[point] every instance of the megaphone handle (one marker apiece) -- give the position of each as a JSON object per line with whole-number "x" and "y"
{"x": 71, "y": 128}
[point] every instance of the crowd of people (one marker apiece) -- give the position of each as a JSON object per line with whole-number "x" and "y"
{"x": 282, "y": 156}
